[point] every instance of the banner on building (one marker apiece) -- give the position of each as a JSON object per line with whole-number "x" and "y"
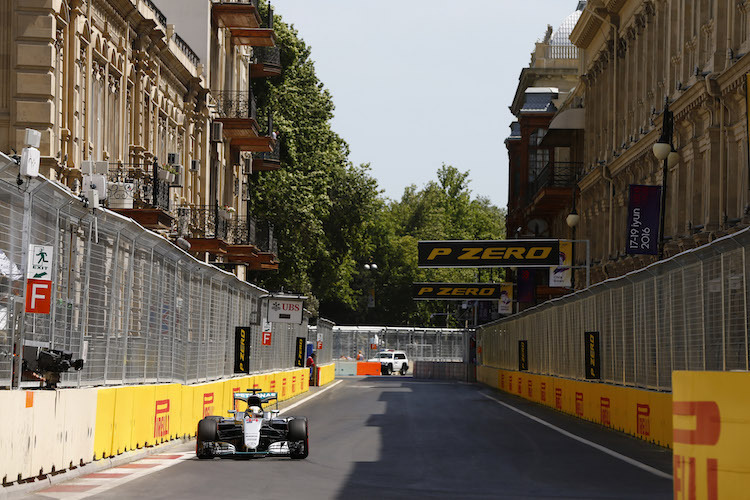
{"x": 507, "y": 253}
{"x": 526, "y": 286}
{"x": 242, "y": 349}
{"x": 505, "y": 304}
{"x": 643, "y": 220}
{"x": 561, "y": 274}
{"x": 592, "y": 356}
{"x": 299, "y": 354}
{"x": 523, "y": 355}
{"x": 457, "y": 291}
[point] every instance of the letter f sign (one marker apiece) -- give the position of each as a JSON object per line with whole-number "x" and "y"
{"x": 38, "y": 296}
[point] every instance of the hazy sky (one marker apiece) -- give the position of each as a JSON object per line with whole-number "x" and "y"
{"x": 418, "y": 83}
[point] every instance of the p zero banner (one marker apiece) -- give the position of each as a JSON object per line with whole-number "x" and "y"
{"x": 299, "y": 354}
{"x": 592, "y": 356}
{"x": 643, "y": 220}
{"x": 503, "y": 253}
{"x": 523, "y": 355}
{"x": 242, "y": 349}
{"x": 457, "y": 291}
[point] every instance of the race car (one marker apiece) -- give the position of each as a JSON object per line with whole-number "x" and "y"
{"x": 252, "y": 432}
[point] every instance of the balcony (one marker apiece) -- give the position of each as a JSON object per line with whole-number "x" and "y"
{"x": 236, "y": 14}
{"x": 253, "y": 244}
{"x": 205, "y": 227}
{"x": 238, "y": 113}
{"x": 552, "y": 189}
{"x": 242, "y": 19}
{"x": 266, "y": 62}
{"x": 141, "y": 192}
{"x": 266, "y": 161}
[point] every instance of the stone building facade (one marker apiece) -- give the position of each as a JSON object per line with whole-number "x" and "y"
{"x": 635, "y": 54}
{"x": 114, "y": 89}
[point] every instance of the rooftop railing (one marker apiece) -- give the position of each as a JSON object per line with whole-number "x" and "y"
{"x": 185, "y": 48}
{"x": 159, "y": 15}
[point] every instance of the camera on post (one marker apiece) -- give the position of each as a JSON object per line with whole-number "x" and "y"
{"x": 47, "y": 364}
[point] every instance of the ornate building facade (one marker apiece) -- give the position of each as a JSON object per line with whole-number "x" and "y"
{"x": 635, "y": 54}
{"x": 115, "y": 90}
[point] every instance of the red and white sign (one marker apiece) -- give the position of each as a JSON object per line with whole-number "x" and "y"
{"x": 266, "y": 338}
{"x": 373, "y": 346}
{"x": 38, "y": 296}
{"x": 285, "y": 310}
{"x": 320, "y": 344}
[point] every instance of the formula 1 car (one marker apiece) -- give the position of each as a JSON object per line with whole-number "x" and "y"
{"x": 252, "y": 432}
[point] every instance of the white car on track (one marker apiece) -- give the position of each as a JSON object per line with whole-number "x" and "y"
{"x": 392, "y": 361}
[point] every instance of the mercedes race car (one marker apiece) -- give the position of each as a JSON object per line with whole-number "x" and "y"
{"x": 252, "y": 432}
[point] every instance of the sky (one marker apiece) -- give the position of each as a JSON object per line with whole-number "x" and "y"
{"x": 419, "y": 83}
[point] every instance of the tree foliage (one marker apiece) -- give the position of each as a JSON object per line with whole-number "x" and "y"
{"x": 330, "y": 217}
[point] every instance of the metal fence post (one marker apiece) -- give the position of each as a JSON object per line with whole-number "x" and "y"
{"x": 84, "y": 329}
{"x": 112, "y": 303}
{"x": 56, "y": 252}
{"x": 128, "y": 308}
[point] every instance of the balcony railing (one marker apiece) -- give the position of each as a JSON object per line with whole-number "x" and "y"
{"x": 203, "y": 221}
{"x": 274, "y": 155}
{"x": 185, "y": 48}
{"x": 561, "y": 52}
{"x": 138, "y": 186}
{"x": 254, "y": 3}
{"x": 267, "y": 56}
{"x": 557, "y": 175}
{"x": 159, "y": 15}
{"x": 252, "y": 231}
{"x": 236, "y": 104}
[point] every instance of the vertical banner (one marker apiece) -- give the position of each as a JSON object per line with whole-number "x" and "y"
{"x": 242, "y": 349}
{"x": 299, "y": 355}
{"x": 523, "y": 355}
{"x": 505, "y": 305}
{"x": 526, "y": 285}
{"x": 592, "y": 357}
{"x": 560, "y": 275}
{"x": 643, "y": 220}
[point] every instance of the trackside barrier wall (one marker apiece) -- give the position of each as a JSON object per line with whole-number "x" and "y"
{"x": 326, "y": 374}
{"x": 440, "y": 370}
{"x": 641, "y": 413}
{"x": 711, "y": 435}
{"x": 47, "y": 431}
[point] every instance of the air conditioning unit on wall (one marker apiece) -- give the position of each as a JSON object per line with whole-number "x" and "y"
{"x": 217, "y": 131}
{"x": 195, "y": 165}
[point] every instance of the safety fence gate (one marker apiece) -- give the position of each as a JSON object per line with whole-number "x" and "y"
{"x": 437, "y": 344}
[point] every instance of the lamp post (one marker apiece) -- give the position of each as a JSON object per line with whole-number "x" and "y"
{"x": 664, "y": 152}
{"x": 371, "y": 299}
{"x": 572, "y": 221}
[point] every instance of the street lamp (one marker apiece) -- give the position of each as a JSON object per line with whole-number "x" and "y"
{"x": 664, "y": 152}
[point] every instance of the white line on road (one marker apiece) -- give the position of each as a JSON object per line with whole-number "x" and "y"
{"x": 310, "y": 397}
{"x": 599, "y": 447}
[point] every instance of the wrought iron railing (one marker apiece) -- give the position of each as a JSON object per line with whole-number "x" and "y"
{"x": 557, "y": 174}
{"x": 136, "y": 185}
{"x": 274, "y": 155}
{"x": 235, "y": 104}
{"x": 159, "y": 15}
{"x": 252, "y": 231}
{"x": 185, "y": 48}
{"x": 203, "y": 221}
{"x": 254, "y": 3}
{"x": 267, "y": 56}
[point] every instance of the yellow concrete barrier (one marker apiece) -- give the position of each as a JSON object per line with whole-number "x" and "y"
{"x": 641, "y": 413}
{"x": 711, "y": 415}
{"x": 326, "y": 373}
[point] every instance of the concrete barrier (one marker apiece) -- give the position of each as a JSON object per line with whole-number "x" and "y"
{"x": 326, "y": 374}
{"x": 47, "y": 431}
{"x": 346, "y": 368}
{"x": 641, "y": 413}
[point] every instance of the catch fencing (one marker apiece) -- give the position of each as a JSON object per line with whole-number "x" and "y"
{"x": 135, "y": 307}
{"x": 435, "y": 344}
{"x": 689, "y": 312}
{"x": 321, "y": 336}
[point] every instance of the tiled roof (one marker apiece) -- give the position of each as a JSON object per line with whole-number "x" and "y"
{"x": 515, "y": 131}
{"x": 539, "y": 102}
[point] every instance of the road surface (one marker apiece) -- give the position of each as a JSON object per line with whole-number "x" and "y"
{"x": 394, "y": 437}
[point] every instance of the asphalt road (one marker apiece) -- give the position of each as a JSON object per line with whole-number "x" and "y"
{"x": 393, "y": 437}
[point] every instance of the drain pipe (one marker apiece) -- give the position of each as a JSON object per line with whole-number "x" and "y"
{"x": 607, "y": 177}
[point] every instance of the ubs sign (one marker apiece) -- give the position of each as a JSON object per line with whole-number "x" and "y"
{"x": 282, "y": 310}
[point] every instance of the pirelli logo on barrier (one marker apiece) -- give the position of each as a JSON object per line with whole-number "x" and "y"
{"x": 503, "y": 253}
{"x": 456, "y": 291}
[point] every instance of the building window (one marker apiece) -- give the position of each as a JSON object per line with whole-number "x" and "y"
{"x": 538, "y": 157}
